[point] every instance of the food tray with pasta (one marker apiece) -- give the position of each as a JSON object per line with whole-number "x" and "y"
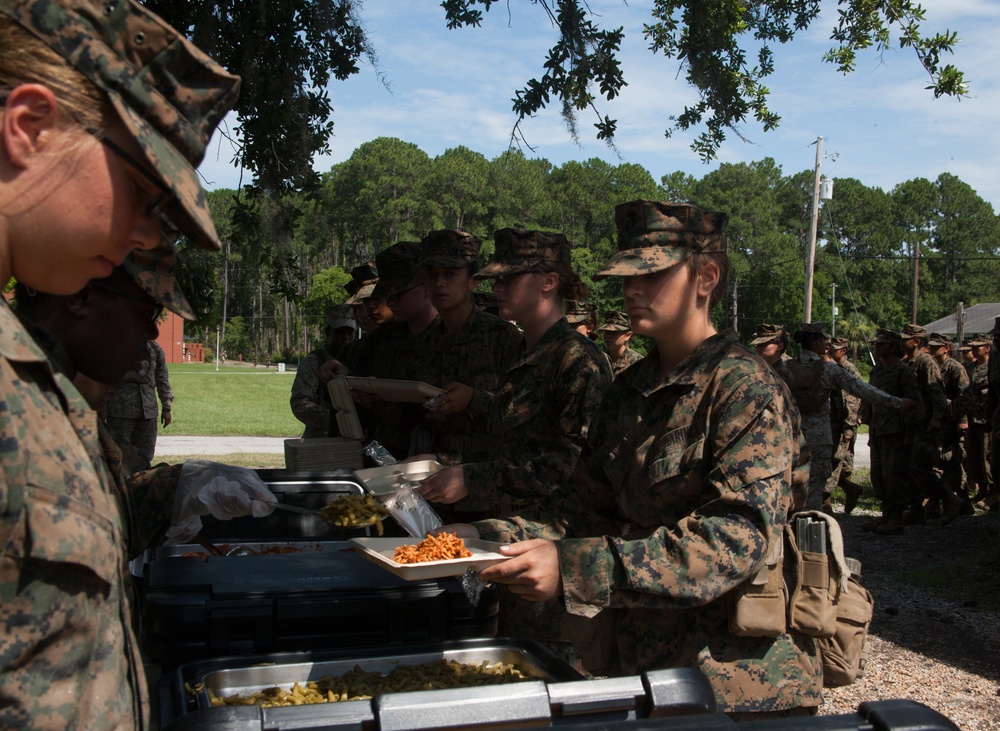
{"x": 381, "y": 551}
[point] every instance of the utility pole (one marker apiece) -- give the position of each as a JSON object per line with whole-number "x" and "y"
{"x": 916, "y": 279}
{"x": 959, "y": 325}
{"x": 833, "y": 310}
{"x": 811, "y": 250}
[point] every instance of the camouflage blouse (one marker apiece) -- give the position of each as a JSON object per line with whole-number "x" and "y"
{"x": 686, "y": 482}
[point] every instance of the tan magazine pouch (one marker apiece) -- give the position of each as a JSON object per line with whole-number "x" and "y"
{"x": 757, "y": 606}
{"x": 812, "y": 605}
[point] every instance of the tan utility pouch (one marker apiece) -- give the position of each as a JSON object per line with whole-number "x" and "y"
{"x": 846, "y": 653}
{"x": 757, "y": 606}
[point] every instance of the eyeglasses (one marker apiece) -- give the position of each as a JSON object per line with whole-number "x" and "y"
{"x": 157, "y": 207}
{"x": 505, "y": 279}
{"x": 397, "y": 296}
{"x": 154, "y": 315}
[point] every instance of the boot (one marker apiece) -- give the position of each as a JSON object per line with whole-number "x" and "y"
{"x": 953, "y": 505}
{"x": 914, "y": 516}
{"x": 932, "y": 509}
{"x": 894, "y": 526}
{"x": 852, "y": 493}
{"x": 874, "y": 524}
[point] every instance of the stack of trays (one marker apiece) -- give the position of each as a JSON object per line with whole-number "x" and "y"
{"x": 317, "y": 455}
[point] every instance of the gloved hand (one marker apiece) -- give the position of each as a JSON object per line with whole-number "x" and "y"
{"x": 212, "y": 488}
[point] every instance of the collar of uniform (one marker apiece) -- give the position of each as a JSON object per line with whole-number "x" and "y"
{"x": 560, "y": 330}
{"x": 809, "y": 355}
{"x": 16, "y": 343}
{"x": 691, "y": 371}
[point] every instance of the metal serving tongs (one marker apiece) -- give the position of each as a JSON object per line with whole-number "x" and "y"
{"x": 297, "y": 509}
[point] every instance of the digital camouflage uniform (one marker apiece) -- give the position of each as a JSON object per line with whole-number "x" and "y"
{"x": 844, "y": 410}
{"x": 476, "y": 355}
{"x": 688, "y": 479}
{"x": 977, "y": 441}
{"x": 68, "y": 657}
{"x": 310, "y": 399}
{"x": 925, "y": 454}
{"x": 890, "y": 432}
{"x": 816, "y": 423}
{"x": 619, "y": 322}
{"x": 680, "y": 497}
{"x": 392, "y": 351}
{"x": 956, "y": 389}
{"x": 132, "y": 415}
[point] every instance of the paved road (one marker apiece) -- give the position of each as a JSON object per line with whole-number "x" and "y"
{"x": 167, "y": 445}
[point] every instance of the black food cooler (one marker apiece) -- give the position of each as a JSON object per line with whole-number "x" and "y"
{"x": 320, "y": 595}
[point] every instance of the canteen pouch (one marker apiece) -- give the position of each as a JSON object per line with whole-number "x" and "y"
{"x": 845, "y": 654}
{"x": 757, "y": 606}
{"x": 812, "y": 600}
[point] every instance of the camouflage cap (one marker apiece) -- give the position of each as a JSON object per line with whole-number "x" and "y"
{"x": 518, "y": 250}
{"x": 979, "y": 341}
{"x": 764, "y": 334}
{"x": 578, "y": 311}
{"x": 885, "y": 335}
{"x": 936, "y": 340}
{"x": 153, "y": 271}
{"x": 813, "y": 328}
{"x": 450, "y": 248}
{"x": 964, "y": 347}
{"x": 616, "y": 321}
{"x": 485, "y": 300}
{"x": 995, "y": 330}
{"x": 913, "y": 331}
{"x": 397, "y": 268}
{"x": 654, "y": 236}
{"x": 167, "y": 92}
{"x": 364, "y": 277}
{"x": 337, "y": 316}
{"x": 839, "y": 343}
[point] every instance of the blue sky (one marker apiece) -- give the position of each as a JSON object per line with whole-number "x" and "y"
{"x": 451, "y": 88}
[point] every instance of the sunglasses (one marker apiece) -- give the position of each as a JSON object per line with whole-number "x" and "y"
{"x": 157, "y": 207}
{"x": 397, "y": 296}
{"x": 505, "y": 279}
{"x": 154, "y": 315}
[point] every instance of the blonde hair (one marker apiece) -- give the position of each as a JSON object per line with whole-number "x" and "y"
{"x": 24, "y": 59}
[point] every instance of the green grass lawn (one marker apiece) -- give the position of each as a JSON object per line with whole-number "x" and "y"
{"x": 233, "y": 401}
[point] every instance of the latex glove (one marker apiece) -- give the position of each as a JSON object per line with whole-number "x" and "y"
{"x": 220, "y": 490}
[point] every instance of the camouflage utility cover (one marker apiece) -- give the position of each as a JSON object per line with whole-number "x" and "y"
{"x": 518, "y": 250}
{"x": 68, "y": 657}
{"x": 764, "y": 334}
{"x": 616, "y": 321}
{"x": 397, "y": 268}
{"x": 167, "y": 92}
{"x": 153, "y": 271}
{"x": 684, "y": 485}
{"x": 884, "y": 335}
{"x": 654, "y": 236}
{"x": 578, "y": 311}
{"x": 813, "y": 328}
{"x": 913, "y": 331}
{"x": 450, "y": 248}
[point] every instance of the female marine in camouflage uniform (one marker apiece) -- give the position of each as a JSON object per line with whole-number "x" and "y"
{"x": 684, "y": 488}
{"x": 104, "y": 112}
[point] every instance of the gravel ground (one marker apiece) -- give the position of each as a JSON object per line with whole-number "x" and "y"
{"x": 940, "y": 652}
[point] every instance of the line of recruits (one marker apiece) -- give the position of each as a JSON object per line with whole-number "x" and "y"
{"x": 637, "y": 505}
{"x": 918, "y": 458}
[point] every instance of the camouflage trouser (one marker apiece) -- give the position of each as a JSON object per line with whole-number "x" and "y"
{"x": 890, "y": 471}
{"x": 843, "y": 461}
{"x": 140, "y": 433}
{"x": 977, "y": 459}
{"x": 952, "y": 459}
{"x": 586, "y": 644}
{"x": 925, "y": 467}
{"x": 820, "y": 467}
